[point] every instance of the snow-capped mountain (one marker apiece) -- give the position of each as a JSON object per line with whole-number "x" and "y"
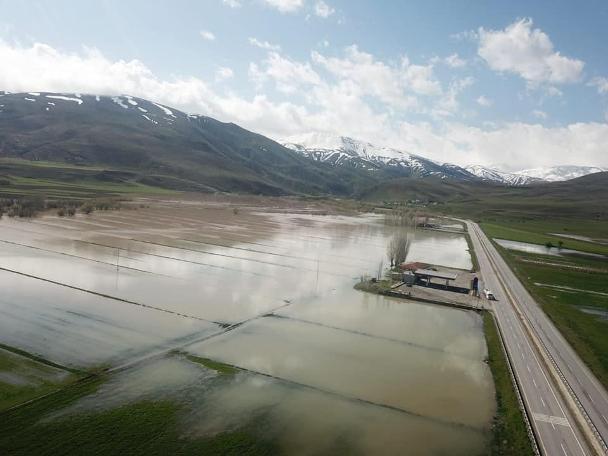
{"x": 125, "y": 138}
{"x": 494, "y": 175}
{"x": 560, "y": 173}
{"x": 344, "y": 151}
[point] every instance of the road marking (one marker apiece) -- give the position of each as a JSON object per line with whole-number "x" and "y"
{"x": 551, "y": 419}
{"x": 541, "y": 399}
{"x": 563, "y": 449}
{"x": 534, "y": 381}
{"x": 528, "y": 367}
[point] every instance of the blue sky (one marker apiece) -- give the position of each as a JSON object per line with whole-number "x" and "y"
{"x": 517, "y": 84}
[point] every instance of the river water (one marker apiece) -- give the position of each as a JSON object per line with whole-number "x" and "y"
{"x": 331, "y": 367}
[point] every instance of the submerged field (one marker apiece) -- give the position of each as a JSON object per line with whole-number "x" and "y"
{"x": 231, "y": 326}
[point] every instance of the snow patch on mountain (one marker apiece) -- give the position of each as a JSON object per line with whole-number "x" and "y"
{"x": 345, "y": 151}
{"x": 561, "y": 173}
{"x": 64, "y": 98}
{"x": 167, "y": 111}
{"x": 501, "y": 177}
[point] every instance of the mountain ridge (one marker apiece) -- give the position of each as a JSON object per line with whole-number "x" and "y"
{"x": 346, "y": 151}
{"x": 158, "y": 142}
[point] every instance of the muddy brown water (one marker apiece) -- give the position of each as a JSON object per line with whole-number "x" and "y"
{"x": 332, "y": 363}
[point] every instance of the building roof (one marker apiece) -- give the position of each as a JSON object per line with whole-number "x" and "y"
{"x": 435, "y": 274}
{"x": 412, "y": 266}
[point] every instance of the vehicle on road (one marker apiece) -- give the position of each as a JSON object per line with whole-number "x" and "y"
{"x": 489, "y": 295}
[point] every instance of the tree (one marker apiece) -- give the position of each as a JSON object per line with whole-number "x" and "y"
{"x": 398, "y": 248}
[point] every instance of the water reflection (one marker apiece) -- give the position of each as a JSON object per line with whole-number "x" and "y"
{"x": 176, "y": 273}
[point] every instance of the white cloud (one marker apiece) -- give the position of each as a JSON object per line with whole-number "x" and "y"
{"x": 600, "y": 83}
{"x": 287, "y": 74}
{"x": 285, "y": 6}
{"x": 223, "y": 73}
{"x": 454, "y": 61}
{"x": 521, "y": 145}
{"x": 395, "y": 85}
{"x": 264, "y": 44}
{"x": 232, "y": 3}
{"x": 323, "y": 10}
{"x": 207, "y": 35}
{"x": 484, "y": 101}
{"x": 420, "y": 78}
{"x": 448, "y": 104}
{"x": 527, "y": 52}
{"x": 552, "y": 91}
{"x": 335, "y": 108}
{"x": 539, "y": 114}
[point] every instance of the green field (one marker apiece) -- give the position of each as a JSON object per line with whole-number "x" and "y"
{"x": 146, "y": 427}
{"x": 23, "y": 178}
{"x": 23, "y": 378}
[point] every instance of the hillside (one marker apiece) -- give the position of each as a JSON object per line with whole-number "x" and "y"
{"x": 583, "y": 197}
{"x": 156, "y": 145}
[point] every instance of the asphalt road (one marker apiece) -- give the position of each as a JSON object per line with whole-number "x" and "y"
{"x": 556, "y": 430}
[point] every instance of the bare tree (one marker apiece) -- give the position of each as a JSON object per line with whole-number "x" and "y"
{"x": 400, "y": 217}
{"x": 398, "y": 248}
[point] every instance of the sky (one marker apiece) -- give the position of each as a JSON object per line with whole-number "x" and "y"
{"x": 514, "y": 84}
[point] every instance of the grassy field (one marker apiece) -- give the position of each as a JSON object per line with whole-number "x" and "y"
{"x": 582, "y": 281}
{"x": 220, "y": 368}
{"x": 474, "y": 260}
{"x": 142, "y": 428}
{"x": 24, "y": 378}
{"x": 509, "y": 433}
{"x": 56, "y": 180}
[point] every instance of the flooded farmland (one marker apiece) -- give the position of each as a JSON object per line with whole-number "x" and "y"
{"x": 266, "y": 290}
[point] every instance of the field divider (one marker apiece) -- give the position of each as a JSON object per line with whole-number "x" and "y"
{"x": 114, "y": 298}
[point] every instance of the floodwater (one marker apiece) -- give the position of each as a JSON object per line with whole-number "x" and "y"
{"x": 543, "y": 249}
{"x": 333, "y": 364}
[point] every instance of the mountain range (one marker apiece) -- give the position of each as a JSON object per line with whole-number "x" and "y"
{"x": 345, "y": 151}
{"x": 136, "y": 140}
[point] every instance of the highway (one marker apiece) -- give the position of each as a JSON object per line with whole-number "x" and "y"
{"x": 566, "y": 405}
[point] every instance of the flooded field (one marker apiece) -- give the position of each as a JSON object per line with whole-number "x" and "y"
{"x": 266, "y": 289}
{"x": 544, "y": 250}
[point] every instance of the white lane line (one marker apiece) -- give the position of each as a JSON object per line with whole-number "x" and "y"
{"x": 528, "y": 367}
{"x": 563, "y": 449}
{"x": 534, "y": 381}
{"x": 588, "y": 396}
{"x": 543, "y": 402}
